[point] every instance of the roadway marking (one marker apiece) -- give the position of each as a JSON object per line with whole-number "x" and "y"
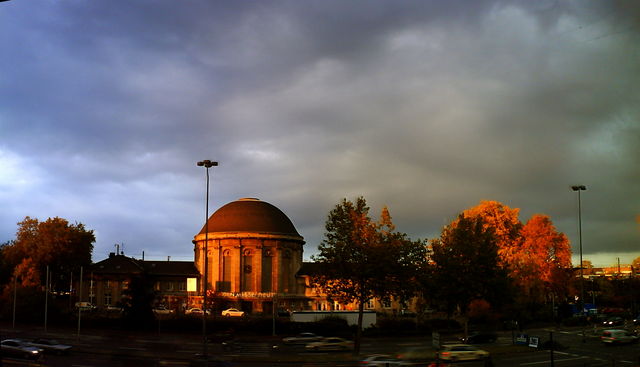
{"x": 555, "y": 360}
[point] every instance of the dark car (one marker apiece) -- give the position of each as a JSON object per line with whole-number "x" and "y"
{"x": 613, "y": 321}
{"x": 480, "y": 337}
{"x": 50, "y": 346}
{"x": 18, "y": 348}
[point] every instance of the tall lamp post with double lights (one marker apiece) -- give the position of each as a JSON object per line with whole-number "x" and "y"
{"x": 206, "y": 164}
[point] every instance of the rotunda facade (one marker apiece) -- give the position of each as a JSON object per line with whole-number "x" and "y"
{"x": 254, "y": 253}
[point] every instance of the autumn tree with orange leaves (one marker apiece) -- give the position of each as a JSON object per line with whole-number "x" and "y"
{"x": 543, "y": 262}
{"x": 536, "y": 255}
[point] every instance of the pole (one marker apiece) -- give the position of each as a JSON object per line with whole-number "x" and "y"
{"x": 579, "y": 188}
{"x": 206, "y": 270}
{"x": 273, "y": 313}
{"x": 207, "y": 164}
{"x": 580, "y": 238}
{"x": 79, "y": 303}
{"x": 551, "y": 348}
{"x": 46, "y": 299}
{"x": 15, "y": 293}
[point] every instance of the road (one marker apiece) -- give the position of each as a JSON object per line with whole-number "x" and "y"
{"x": 142, "y": 350}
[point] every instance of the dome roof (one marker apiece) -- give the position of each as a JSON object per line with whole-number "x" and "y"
{"x": 250, "y": 215}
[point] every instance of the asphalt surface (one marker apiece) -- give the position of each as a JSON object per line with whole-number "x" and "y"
{"x": 100, "y": 348}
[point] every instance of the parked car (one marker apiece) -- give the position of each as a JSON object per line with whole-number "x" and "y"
{"x": 302, "y": 338}
{"x": 162, "y": 310}
{"x": 461, "y": 352}
{"x": 18, "y": 348}
{"x": 50, "y": 346}
{"x": 332, "y": 343}
{"x": 618, "y": 336}
{"x": 613, "y": 321}
{"x": 380, "y": 360}
{"x": 232, "y": 312}
{"x": 85, "y": 306}
{"x": 479, "y": 337}
{"x": 195, "y": 311}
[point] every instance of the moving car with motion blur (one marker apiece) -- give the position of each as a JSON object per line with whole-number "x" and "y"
{"x": 461, "y": 352}
{"x": 302, "y": 338}
{"x": 380, "y": 360}
{"x": 50, "y": 346}
{"x": 618, "y": 336}
{"x": 332, "y": 343}
{"x": 19, "y": 349}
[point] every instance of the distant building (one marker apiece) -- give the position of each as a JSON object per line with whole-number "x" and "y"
{"x": 106, "y": 280}
{"x": 254, "y": 252}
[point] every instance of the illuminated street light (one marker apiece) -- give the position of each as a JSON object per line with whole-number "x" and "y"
{"x": 206, "y": 164}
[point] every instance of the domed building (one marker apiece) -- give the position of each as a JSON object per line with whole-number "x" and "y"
{"x": 254, "y": 253}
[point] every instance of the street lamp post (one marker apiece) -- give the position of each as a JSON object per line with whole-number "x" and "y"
{"x": 207, "y": 164}
{"x": 579, "y": 188}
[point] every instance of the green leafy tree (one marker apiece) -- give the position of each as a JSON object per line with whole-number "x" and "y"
{"x": 362, "y": 259}
{"x": 465, "y": 267}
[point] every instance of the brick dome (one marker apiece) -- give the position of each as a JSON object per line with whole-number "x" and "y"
{"x": 250, "y": 215}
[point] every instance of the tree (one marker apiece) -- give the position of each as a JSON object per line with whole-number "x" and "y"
{"x": 362, "y": 260}
{"x": 505, "y": 224}
{"x": 543, "y": 257}
{"x": 465, "y": 266}
{"x": 55, "y": 243}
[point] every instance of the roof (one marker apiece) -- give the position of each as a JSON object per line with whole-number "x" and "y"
{"x": 250, "y": 215}
{"x": 178, "y": 268}
{"x": 309, "y": 268}
{"x": 120, "y": 264}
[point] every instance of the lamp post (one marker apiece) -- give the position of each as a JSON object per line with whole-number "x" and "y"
{"x": 206, "y": 164}
{"x": 579, "y": 188}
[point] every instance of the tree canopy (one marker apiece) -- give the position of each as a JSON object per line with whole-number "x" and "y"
{"x": 465, "y": 266}
{"x": 55, "y": 243}
{"x": 363, "y": 259}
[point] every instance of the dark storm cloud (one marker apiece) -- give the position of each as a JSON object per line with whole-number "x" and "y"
{"x": 427, "y": 107}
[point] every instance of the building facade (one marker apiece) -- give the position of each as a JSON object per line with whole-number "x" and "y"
{"x": 253, "y": 254}
{"x": 106, "y": 282}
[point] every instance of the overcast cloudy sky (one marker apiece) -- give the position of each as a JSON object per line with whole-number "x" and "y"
{"x": 427, "y": 107}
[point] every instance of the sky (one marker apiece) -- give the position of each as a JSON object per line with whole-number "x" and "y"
{"x": 427, "y": 107}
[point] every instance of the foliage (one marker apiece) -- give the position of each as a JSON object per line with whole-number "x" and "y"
{"x": 55, "y": 243}
{"x": 504, "y": 223}
{"x": 362, "y": 260}
{"x": 465, "y": 266}
{"x": 539, "y": 263}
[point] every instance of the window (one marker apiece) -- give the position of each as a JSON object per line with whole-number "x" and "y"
{"x": 370, "y": 304}
{"x": 386, "y": 303}
{"x": 169, "y": 286}
{"x": 107, "y": 299}
{"x": 182, "y": 286}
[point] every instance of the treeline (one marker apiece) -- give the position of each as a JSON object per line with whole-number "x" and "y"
{"x": 485, "y": 261}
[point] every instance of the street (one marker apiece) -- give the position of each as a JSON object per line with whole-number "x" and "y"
{"x": 119, "y": 349}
